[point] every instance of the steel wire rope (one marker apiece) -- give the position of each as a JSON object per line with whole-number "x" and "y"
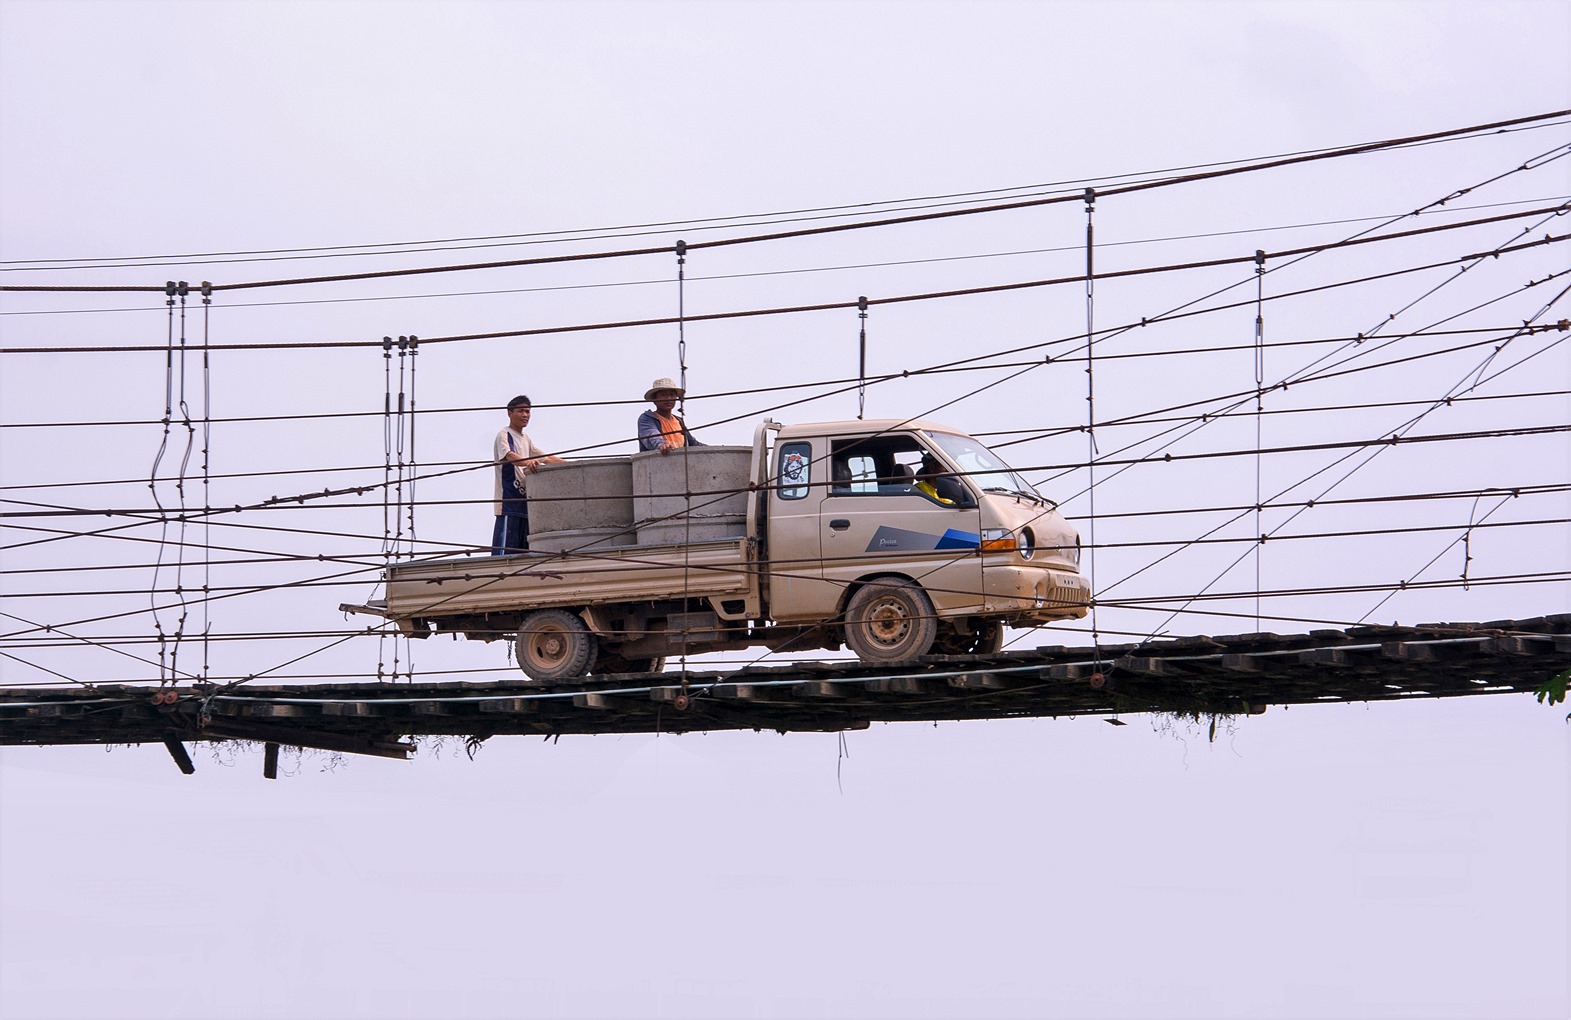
{"x": 1239, "y": 398}
{"x": 144, "y": 518}
{"x": 1465, "y": 536}
{"x": 1091, "y": 448}
{"x": 1391, "y": 317}
{"x": 45, "y": 510}
{"x": 837, "y": 228}
{"x": 1260, "y": 255}
{"x": 158, "y": 664}
{"x": 836, "y": 305}
{"x": 163, "y": 446}
{"x": 207, "y": 451}
{"x": 718, "y": 394}
{"x": 1546, "y": 577}
{"x": 602, "y": 233}
{"x": 1378, "y": 445}
{"x": 1519, "y": 489}
{"x": 1372, "y": 455}
{"x": 1474, "y": 523}
{"x": 1225, "y": 524}
{"x": 112, "y": 643}
{"x": 45, "y": 669}
{"x": 1037, "y": 435}
{"x": 1252, "y": 231}
{"x": 1295, "y": 257}
{"x": 1382, "y": 441}
{"x": 1242, "y": 397}
{"x": 687, "y": 481}
{"x": 180, "y": 484}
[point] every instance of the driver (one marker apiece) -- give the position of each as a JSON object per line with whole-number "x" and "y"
{"x": 937, "y": 484}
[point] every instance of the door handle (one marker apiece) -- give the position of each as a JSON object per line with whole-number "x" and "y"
{"x": 839, "y": 524}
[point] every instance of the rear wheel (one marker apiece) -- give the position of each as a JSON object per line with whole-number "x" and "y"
{"x": 889, "y": 622}
{"x": 554, "y": 644}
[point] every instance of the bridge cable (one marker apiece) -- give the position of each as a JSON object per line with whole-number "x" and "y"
{"x": 207, "y": 478}
{"x": 1260, "y": 378}
{"x": 687, "y": 484}
{"x": 1090, "y": 200}
{"x": 861, "y": 372}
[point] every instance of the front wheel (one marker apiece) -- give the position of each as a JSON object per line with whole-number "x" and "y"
{"x": 554, "y": 644}
{"x": 890, "y": 622}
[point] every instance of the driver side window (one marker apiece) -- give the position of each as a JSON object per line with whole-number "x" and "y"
{"x": 876, "y": 466}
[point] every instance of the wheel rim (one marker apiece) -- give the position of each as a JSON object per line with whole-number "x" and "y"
{"x": 547, "y": 648}
{"x": 888, "y": 623}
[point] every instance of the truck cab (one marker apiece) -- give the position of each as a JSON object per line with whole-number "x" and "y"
{"x": 919, "y": 536}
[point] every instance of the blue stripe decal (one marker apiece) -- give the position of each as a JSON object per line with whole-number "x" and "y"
{"x": 887, "y": 539}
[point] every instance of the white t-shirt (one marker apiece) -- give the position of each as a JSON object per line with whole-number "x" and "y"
{"x": 520, "y": 444}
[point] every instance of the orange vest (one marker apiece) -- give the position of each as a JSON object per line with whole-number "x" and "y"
{"x": 671, "y": 430}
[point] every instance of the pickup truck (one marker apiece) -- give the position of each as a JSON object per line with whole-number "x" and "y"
{"x": 898, "y": 538}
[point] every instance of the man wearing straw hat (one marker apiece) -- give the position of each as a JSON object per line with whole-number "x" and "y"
{"x": 662, "y": 429}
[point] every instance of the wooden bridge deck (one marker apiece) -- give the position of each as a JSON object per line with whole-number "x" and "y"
{"x": 1198, "y": 676}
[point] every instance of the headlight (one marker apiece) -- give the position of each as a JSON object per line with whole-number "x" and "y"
{"x": 1026, "y": 543}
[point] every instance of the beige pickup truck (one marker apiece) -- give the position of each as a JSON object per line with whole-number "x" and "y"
{"x": 897, "y": 538}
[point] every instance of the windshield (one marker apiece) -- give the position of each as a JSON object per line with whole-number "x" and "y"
{"x": 986, "y": 471}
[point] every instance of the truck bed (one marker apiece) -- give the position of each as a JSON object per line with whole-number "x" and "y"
{"x": 496, "y": 584}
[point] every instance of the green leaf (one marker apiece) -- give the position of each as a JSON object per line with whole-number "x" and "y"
{"x": 1554, "y": 689}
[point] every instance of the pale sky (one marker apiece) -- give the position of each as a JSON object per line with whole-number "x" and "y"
{"x": 1397, "y": 860}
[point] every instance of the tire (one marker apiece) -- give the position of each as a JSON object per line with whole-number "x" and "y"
{"x": 554, "y": 644}
{"x": 890, "y": 622}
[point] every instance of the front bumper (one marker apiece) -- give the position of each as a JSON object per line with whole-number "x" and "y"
{"x": 1032, "y": 594}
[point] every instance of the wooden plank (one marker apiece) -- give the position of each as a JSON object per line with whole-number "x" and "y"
{"x": 244, "y": 729}
{"x": 906, "y": 685}
{"x": 980, "y": 682}
{"x": 1521, "y": 644}
{"x": 821, "y": 689}
{"x": 1146, "y": 665}
{"x": 746, "y": 692}
{"x": 267, "y": 711}
{"x": 178, "y": 752}
{"x": 349, "y": 708}
{"x": 512, "y": 706}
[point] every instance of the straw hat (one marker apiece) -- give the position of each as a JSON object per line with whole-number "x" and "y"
{"x": 664, "y": 383}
